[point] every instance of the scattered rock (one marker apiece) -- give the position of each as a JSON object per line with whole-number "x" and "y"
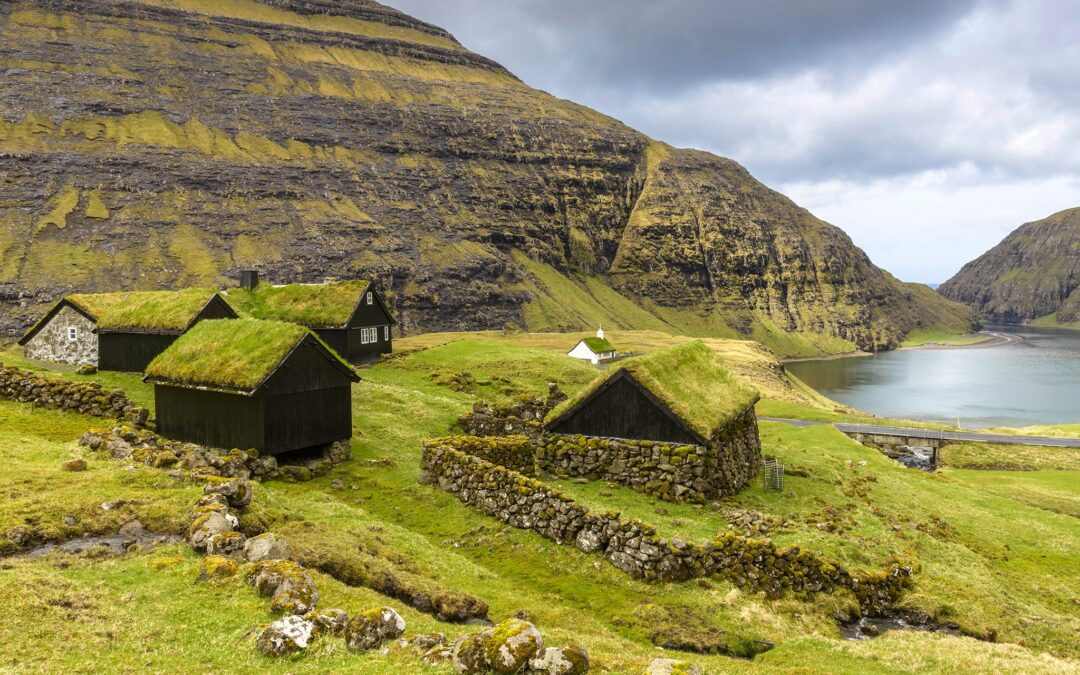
{"x": 331, "y": 621}
{"x": 568, "y": 660}
{"x": 372, "y": 628}
{"x": 70, "y": 521}
{"x": 672, "y": 667}
{"x": 86, "y": 369}
{"x": 217, "y": 567}
{"x": 285, "y": 636}
{"x": 237, "y": 491}
{"x": 425, "y": 642}
{"x": 337, "y": 484}
{"x": 77, "y": 464}
{"x": 468, "y": 654}
{"x": 511, "y": 644}
{"x": 206, "y": 526}
{"x": 265, "y": 547}
{"x": 227, "y": 544}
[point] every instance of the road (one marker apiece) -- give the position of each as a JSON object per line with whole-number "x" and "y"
{"x": 935, "y": 433}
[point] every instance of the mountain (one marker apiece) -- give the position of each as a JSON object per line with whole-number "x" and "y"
{"x": 163, "y": 143}
{"x": 1033, "y": 274}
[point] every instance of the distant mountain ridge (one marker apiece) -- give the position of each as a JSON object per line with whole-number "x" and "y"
{"x": 165, "y": 143}
{"x": 1032, "y": 275}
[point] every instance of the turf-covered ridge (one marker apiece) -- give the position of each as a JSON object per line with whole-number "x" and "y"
{"x": 329, "y": 305}
{"x": 598, "y": 345}
{"x": 690, "y": 379}
{"x": 231, "y": 354}
{"x": 144, "y": 310}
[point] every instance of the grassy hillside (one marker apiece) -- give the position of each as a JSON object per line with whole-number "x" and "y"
{"x": 995, "y": 561}
{"x": 347, "y": 140}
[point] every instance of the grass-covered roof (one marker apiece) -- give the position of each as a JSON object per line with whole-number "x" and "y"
{"x": 234, "y": 354}
{"x": 329, "y": 305}
{"x": 690, "y": 379}
{"x": 143, "y": 310}
{"x": 598, "y": 345}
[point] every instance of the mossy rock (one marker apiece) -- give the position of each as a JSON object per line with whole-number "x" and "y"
{"x": 217, "y": 567}
{"x": 510, "y": 645}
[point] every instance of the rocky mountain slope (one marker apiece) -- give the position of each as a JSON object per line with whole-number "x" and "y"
{"x": 173, "y": 142}
{"x": 1032, "y": 274}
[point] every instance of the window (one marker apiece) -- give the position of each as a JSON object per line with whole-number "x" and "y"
{"x": 369, "y": 335}
{"x": 369, "y": 298}
{"x": 386, "y": 333}
{"x": 73, "y": 333}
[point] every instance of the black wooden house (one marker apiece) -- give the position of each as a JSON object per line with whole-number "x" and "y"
{"x": 349, "y": 316}
{"x": 256, "y": 384}
{"x": 121, "y": 331}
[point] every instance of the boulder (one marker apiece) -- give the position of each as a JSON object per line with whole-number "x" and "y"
{"x": 372, "y": 628}
{"x": 207, "y": 525}
{"x": 267, "y": 546}
{"x": 217, "y": 567}
{"x": 77, "y": 464}
{"x": 237, "y": 491}
{"x": 672, "y": 667}
{"x": 227, "y": 544}
{"x": 285, "y": 636}
{"x": 289, "y": 584}
{"x": 468, "y": 654}
{"x": 331, "y": 621}
{"x": 568, "y": 660}
{"x": 510, "y": 645}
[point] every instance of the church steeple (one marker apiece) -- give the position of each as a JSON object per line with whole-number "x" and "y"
{"x": 600, "y": 332}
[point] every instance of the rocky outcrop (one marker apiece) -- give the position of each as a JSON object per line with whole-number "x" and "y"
{"x": 188, "y": 145}
{"x": 1034, "y": 272}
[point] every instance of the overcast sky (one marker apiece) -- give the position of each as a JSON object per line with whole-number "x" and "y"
{"x": 927, "y": 129}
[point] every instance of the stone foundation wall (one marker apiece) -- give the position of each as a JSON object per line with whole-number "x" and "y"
{"x": 53, "y": 342}
{"x": 88, "y": 398}
{"x": 681, "y": 473}
{"x": 635, "y": 548}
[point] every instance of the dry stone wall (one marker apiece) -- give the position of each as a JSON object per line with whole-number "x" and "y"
{"x": 524, "y": 417}
{"x": 756, "y": 564}
{"x": 88, "y": 398}
{"x": 69, "y": 337}
{"x": 511, "y": 452}
{"x": 680, "y": 473}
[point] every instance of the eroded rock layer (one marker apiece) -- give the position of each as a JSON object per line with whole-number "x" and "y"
{"x": 168, "y": 143}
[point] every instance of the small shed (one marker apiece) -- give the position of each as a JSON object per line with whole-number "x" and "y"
{"x": 120, "y": 331}
{"x": 350, "y": 316}
{"x": 272, "y": 386}
{"x": 594, "y": 349}
{"x": 679, "y": 396}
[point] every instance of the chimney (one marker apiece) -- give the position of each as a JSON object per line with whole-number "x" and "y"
{"x": 249, "y": 279}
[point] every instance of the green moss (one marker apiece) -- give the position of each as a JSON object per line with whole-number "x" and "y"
{"x": 236, "y": 354}
{"x": 689, "y": 378}
{"x": 329, "y": 305}
{"x": 61, "y": 207}
{"x": 95, "y": 208}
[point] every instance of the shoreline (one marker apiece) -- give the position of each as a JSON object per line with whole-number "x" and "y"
{"x": 994, "y": 339}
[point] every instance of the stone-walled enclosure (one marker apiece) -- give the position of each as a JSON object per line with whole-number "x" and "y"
{"x": 680, "y": 473}
{"x": 633, "y": 547}
{"x": 88, "y": 398}
{"x": 68, "y": 338}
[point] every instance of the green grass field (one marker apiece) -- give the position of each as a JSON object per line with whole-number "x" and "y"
{"x": 998, "y": 556}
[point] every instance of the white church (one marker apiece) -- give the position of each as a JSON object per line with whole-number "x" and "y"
{"x": 595, "y": 350}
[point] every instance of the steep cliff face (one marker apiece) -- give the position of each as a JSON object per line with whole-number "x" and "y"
{"x": 173, "y": 142}
{"x": 1034, "y": 273}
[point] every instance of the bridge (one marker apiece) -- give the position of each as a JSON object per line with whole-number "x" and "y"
{"x": 894, "y": 437}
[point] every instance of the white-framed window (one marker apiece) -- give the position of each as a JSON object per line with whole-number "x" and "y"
{"x": 370, "y": 299}
{"x": 369, "y": 335}
{"x": 73, "y": 333}
{"x": 386, "y": 333}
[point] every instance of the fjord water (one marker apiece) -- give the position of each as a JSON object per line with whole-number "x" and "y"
{"x": 1035, "y": 380}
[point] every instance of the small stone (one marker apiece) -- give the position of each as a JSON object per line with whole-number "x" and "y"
{"x": 330, "y": 621}
{"x": 285, "y": 636}
{"x": 238, "y": 492}
{"x": 267, "y": 546}
{"x": 337, "y": 484}
{"x": 370, "y": 629}
{"x": 77, "y": 464}
{"x": 206, "y": 526}
{"x": 568, "y": 660}
{"x": 70, "y": 521}
{"x": 106, "y": 506}
{"x": 226, "y": 543}
{"x": 672, "y": 667}
{"x": 86, "y": 369}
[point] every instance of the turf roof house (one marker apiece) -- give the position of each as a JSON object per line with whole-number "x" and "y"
{"x": 120, "y": 331}
{"x": 350, "y": 316}
{"x": 679, "y": 396}
{"x": 593, "y": 349}
{"x": 272, "y": 386}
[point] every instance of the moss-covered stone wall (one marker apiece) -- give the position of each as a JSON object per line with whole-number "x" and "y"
{"x": 681, "y": 473}
{"x": 88, "y": 398}
{"x": 755, "y": 564}
{"x": 512, "y": 452}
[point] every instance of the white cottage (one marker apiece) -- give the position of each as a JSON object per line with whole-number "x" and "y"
{"x": 594, "y": 349}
